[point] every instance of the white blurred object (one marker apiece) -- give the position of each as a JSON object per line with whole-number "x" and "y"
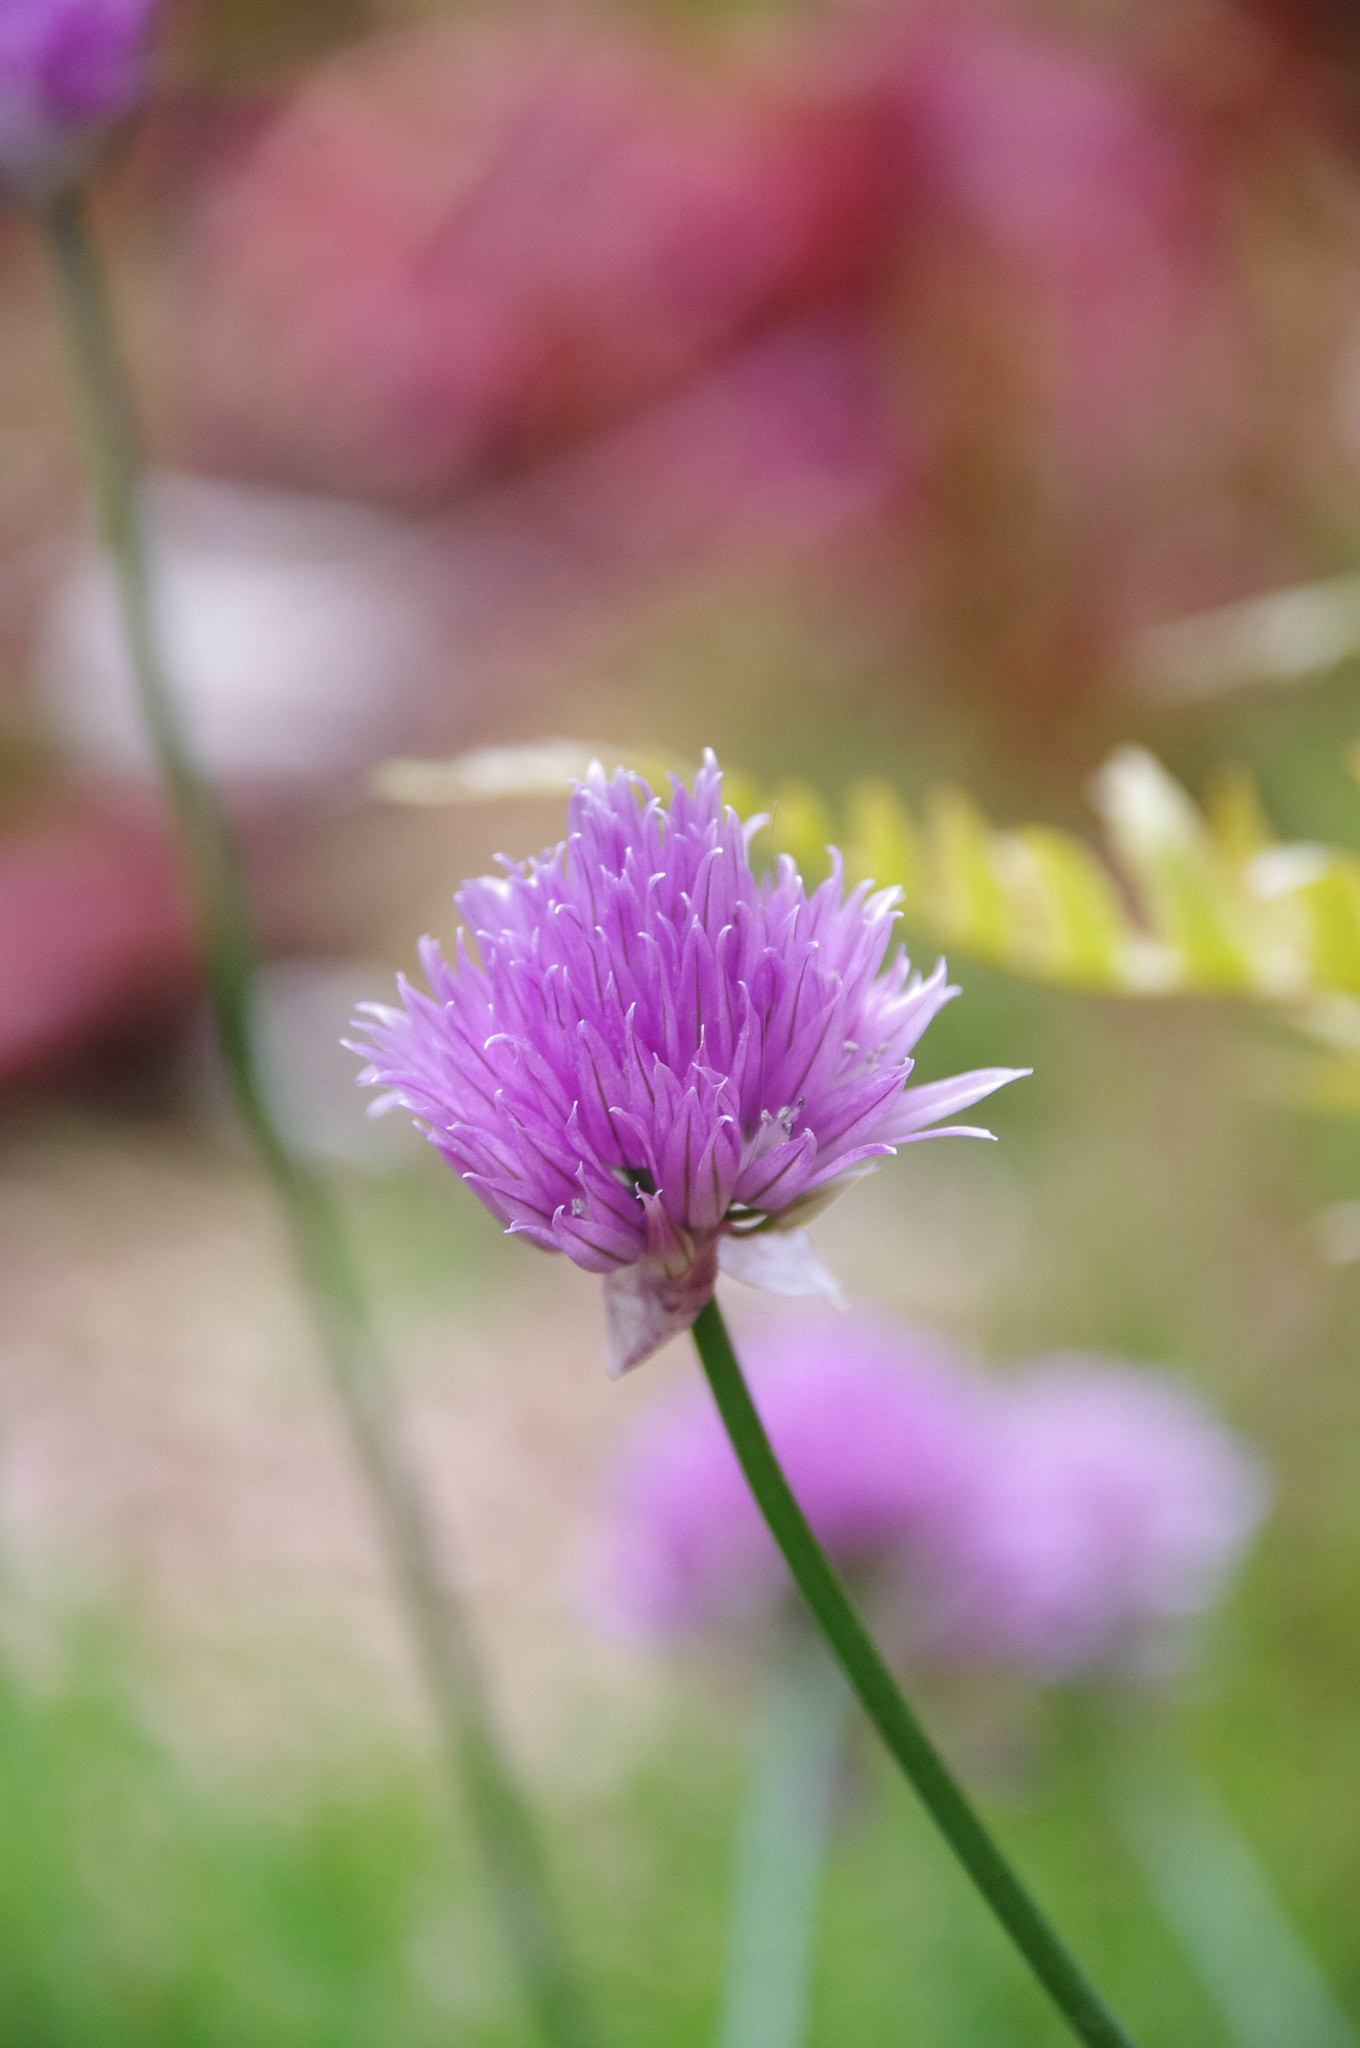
{"x": 1145, "y": 810}
{"x": 1336, "y": 1229}
{"x": 302, "y": 1008}
{"x": 301, "y": 635}
{"x": 547, "y": 768}
{"x": 541, "y": 768}
{"x": 1286, "y": 636}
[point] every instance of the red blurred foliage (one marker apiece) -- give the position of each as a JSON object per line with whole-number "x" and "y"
{"x": 451, "y": 251}
{"x": 1094, "y": 212}
{"x": 617, "y": 312}
{"x": 94, "y": 931}
{"x": 1072, "y": 328}
{"x": 456, "y": 250}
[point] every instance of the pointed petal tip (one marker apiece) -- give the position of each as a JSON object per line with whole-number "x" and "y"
{"x": 951, "y": 1131}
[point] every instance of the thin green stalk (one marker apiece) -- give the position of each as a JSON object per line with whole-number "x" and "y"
{"x": 1218, "y": 1901}
{"x": 230, "y": 954}
{"x": 799, "y": 1744}
{"x": 816, "y": 1578}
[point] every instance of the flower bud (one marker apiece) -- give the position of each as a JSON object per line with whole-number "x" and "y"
{"x": 68, "y": 70}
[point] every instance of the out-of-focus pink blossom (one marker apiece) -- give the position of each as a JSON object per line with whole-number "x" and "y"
{"x": 1093, "y": 207}
{"x": 874, "y": 1427}
{"x": 94, "y": 932}
{"x": 1110, "y": 1506}
{"x": 455, "y": 249}
{"x": 1063, "y": 1520}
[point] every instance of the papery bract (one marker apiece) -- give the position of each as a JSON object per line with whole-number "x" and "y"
{"x": 660, "y": 1057}
{"x": 67, "y": 69}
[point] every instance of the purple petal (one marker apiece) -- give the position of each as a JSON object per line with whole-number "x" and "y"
{"x": 927, "y": 1104}
{"x": 780, "y": 1174}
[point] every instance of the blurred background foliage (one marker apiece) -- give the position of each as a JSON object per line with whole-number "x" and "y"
{"x": 918, "y": 404}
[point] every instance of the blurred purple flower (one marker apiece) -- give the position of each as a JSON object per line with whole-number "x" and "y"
{"x": 1112, "y": 1503}
{"x": 874, "y": 1427}
{"x": 67, "y": 69}
{"x": 1058, "y": 1522}
{"x": 663, "y": 1064}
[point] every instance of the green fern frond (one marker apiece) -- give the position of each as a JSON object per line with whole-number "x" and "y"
{"x": 1174, "y": 896}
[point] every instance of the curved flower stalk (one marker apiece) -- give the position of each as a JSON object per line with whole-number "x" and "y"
{"x": 1067, "y": 1522}
{"x": 659, "y": 1058}
{"x": 661, "y": 1065}
{"x": 873, "y": 1684}
{"x": 879, "y": 1428}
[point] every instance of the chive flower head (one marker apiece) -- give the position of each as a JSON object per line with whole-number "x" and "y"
{"x": 659, "y": 1063}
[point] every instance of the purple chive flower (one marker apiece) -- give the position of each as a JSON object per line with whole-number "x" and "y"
{"x": 1109, "y": 1507}
{"x": 67, "y": 69}
{"x": 1058, "y": 1522}
{"x": 876, "y": 1429}
{"x": 661, "y": 1064}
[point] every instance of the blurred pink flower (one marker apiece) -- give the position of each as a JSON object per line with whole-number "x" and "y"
{"x": 94, "y": 931}
{"x": 461, "y": 249}
{"x": 1060, "y": 1521}
{"x": 478, "y": 243}
{"x": 1109, "y": 1507}
{"x": 874, "y": 1426}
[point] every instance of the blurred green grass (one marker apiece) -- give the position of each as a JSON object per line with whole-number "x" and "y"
{"x": 142, "y": 1901}
{"x": 147, "y": 1898}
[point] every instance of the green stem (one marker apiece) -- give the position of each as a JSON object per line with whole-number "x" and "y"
{"x": 230, "y": 956}
{"x": 783, "y": 1845}
{"x": 877, "y": 1690}
{"x": 1216, "y": 1898}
